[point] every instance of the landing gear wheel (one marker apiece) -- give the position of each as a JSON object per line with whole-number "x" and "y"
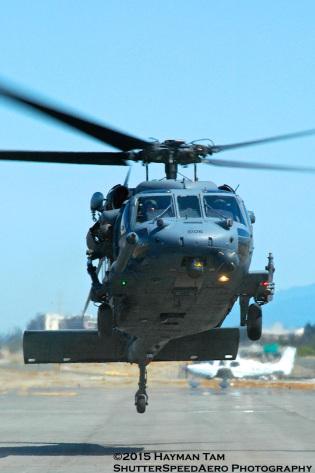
{"x": 105, "y": 321}
{"x": 141, "y": 403}
{"x": 254, "y": 322}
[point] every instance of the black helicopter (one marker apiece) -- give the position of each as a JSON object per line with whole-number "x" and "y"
{"x": 177, "y": 255}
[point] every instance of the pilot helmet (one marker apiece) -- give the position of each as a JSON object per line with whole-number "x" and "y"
{"x": 219, "y": 204}
{"x": 150, "y": 205}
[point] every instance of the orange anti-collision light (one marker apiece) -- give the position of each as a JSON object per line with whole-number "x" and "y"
{"x": 223, "y": 278}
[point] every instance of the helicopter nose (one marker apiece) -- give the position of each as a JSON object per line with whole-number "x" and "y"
{"x": 226, "y": 261}
{"x": 197, "y": 244}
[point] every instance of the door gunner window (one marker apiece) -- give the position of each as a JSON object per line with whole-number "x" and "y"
{"x": 189, "y": 206}
{"x": 155, "y": 206}
{"x": 224, "y": 206}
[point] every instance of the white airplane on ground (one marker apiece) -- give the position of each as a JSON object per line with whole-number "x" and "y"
{"x": 245, "y": 367}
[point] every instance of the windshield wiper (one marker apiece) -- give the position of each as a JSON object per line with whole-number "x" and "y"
{"x": 215, "y": 211}
{"x": 162, "y": 213}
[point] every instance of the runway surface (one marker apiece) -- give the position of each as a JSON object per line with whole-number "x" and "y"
{"x": 79, "y": 430}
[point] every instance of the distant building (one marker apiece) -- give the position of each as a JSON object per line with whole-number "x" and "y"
{"x": 76, "y": 323}
{"x": 51, "y": 321}
{"x": 278, "y": 332}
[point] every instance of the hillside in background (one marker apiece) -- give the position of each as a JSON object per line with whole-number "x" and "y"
{"x": 293, "y": 307}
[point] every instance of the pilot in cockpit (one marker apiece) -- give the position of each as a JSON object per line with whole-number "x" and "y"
{"x": 150, "y": 209}
{"x": 147, "y": 210}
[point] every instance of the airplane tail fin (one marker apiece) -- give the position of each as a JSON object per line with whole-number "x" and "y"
{"x": 286, "y": 362}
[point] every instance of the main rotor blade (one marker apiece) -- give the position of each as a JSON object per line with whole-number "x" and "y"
{"x": 102, "y": 133}
{"x": 261, "y": 166}
{"x": 271, "y": 139}
{"x": 67, "y": 157}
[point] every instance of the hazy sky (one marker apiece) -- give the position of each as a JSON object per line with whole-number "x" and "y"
{"x": 228, "y": 71}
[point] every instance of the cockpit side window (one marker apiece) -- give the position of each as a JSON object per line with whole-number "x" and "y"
{"x": 151, "y": 207}
{"x": 189, "y": 206}
{"x": 224, "y": 206}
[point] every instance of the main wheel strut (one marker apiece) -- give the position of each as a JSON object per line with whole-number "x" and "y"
{"x": 141, "y": 397}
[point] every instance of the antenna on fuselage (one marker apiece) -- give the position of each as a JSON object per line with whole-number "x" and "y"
{"x": 195, "y": 173}
{"x": 127, "y": 177}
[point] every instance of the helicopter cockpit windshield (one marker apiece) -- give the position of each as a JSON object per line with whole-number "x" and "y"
{"x": 151, "y": 207}
{"x": 189, "y": 206}
{"x": 224, "y": 206}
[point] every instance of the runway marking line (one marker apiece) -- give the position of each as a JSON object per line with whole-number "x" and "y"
{"x": 54, "y": 393}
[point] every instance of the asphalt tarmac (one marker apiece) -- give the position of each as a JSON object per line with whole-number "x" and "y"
{"x": 82, "y": 430}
